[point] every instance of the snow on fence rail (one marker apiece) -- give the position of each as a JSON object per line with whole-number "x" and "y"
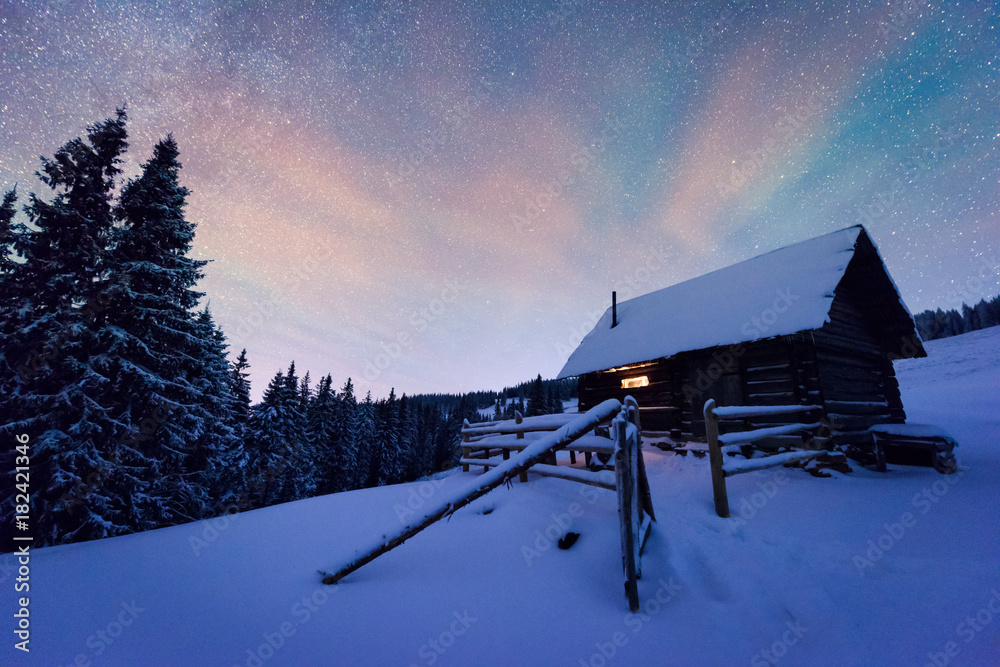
{"x": 635, "y": 506}
{"x": 716, "y": 443}
{"x": 479, "y": 441}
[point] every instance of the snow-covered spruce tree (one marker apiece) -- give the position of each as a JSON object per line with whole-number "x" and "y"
{"x": 344, "y": 477}
{"x": 266, "y": 459}
{"x": 169, "y": 379}
{"x": 536, "y": 399}
{"x": 280, "y": 455}
{"x": 408, "y": 440}
{"x": 430, "y": 425}
{"x": 364, "y": 432}
{"x": 321, "y": 429}
{"x": 7, "y": 233}
{"x": 446, "y": 446}
{"x": 388, "y": 441}
{"x": 229, "y": 476}
{"x": 217, "y": 444}
{"x": 305, "y": 393}
{"x": 58, "y": 302}
{"x": 301, "y": 478}
{"x": 240, "y": 389}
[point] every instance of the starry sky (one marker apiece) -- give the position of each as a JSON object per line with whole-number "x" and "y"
{"x": 441, "y": 196}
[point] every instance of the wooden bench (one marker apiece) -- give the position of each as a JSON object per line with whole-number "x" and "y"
{"x": 932, "y": 439}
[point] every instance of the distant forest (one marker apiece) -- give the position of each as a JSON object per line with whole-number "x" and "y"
{"x": 933, "y": 324}
{"x": 120, "y": 391}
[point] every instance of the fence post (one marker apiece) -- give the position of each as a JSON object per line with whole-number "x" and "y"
{"x": 624, "y": 482}
{"x": 465, "y": 438}
{"x": 715, "y": 459}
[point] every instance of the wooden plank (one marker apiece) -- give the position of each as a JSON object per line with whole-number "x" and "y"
{"x": 736, "y": 411}
{"x": 731, "y": 468}
{"x": 756, "y": 434}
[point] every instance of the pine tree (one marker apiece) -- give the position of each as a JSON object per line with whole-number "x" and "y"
{"x": 240, "y": 389}
{"x": 536, "y": 400}
{"x": 300, "y": 476}
{"x": 48, "y": 382}
{"x": 555, "y": 406}
{"x": 7, "y": 234}
{"x": 322, "y": 433}
{"x": 408, "y": 441}
{"x": 305, "y": 393}
{"x": 364, "y": 435}
{"x": 346, "y": 475}
{"x": 158, "y": 353}
{"x": 266, "y": 460}
{"x": 388, "y": 439}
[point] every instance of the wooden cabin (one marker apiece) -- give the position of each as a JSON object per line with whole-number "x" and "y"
{"x": 818, "y": 322}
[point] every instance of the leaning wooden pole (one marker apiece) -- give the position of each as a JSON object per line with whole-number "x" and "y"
{"x": 537, "y": 452}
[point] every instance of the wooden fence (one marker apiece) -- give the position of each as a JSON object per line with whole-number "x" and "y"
{"x": 635, "y": 508}
{"x": 719, "y": 444}
{"x": 489, "y": 444}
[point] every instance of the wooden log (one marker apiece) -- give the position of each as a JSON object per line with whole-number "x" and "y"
{"x": 715, "y": 460}
{"x": 519, "y": 419}
{"x": 536, "y": 453}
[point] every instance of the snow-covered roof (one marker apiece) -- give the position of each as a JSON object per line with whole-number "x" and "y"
{"x": 778, "y": 293}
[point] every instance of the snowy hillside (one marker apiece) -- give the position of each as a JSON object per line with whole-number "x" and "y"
{"x": 859, "y": 569}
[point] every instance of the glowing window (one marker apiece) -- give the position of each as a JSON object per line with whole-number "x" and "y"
{"x": 632, "y": 383}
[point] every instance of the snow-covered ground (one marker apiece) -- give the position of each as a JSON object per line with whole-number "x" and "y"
{"x": 859, "y": 569}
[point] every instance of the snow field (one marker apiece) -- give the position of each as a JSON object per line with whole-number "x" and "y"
{"x": 858, "y": 569}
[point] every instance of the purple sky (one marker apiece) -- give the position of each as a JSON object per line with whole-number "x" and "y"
{"x": 459, "y": 186}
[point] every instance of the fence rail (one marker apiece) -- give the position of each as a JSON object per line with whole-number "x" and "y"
{"x": 721, "y": 469}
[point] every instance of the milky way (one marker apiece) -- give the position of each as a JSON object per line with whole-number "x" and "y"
{"x": 442, "y": 196}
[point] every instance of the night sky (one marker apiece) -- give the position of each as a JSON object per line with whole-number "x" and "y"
{"x": 459, "y": 186}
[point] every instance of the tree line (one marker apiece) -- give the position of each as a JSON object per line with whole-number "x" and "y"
{"x": 932, "y": 324}
{"x": 136, "y": 418}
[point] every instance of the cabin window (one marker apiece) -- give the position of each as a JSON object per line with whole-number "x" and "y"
{"x": 632, "y": 383}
